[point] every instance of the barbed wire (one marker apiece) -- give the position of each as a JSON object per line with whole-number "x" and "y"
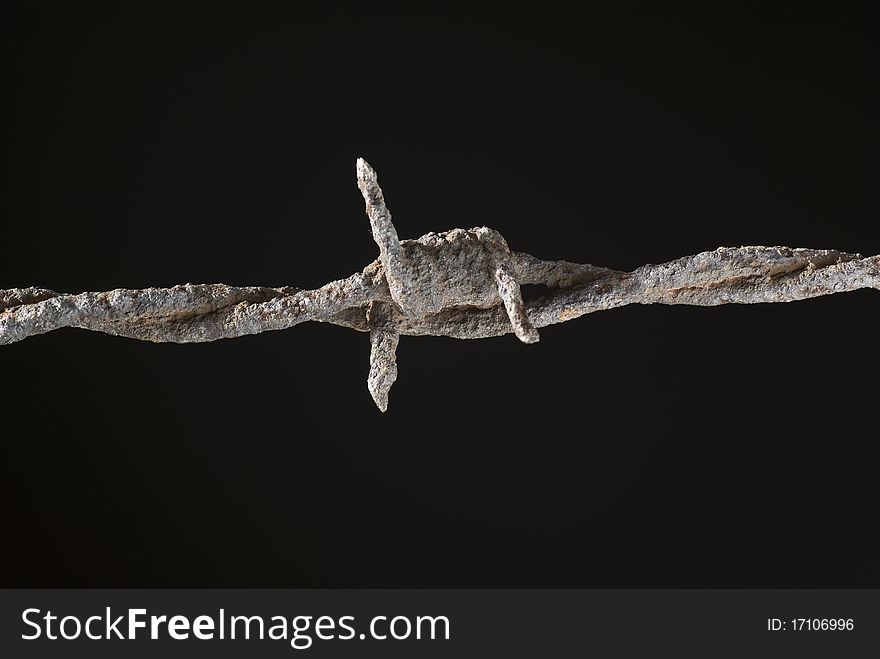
{"x": 462, "y": 283}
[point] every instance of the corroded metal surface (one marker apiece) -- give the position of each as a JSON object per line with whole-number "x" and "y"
{"x": 463, "y": 283}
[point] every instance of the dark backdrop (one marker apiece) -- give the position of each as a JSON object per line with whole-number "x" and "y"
{"x": 647, "y": 446}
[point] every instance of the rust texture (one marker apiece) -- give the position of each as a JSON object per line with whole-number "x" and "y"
{"x": 462, "y": 283}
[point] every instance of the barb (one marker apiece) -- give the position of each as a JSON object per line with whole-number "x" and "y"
{"x": 462, "y": 283}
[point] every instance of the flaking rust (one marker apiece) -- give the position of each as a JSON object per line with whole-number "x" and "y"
{"x": 462, "y": 283}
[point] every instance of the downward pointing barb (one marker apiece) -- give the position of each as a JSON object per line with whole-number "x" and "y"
{"x": 383, "y": 358}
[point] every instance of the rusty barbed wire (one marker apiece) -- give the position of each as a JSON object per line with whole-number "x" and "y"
{"x": 462, "y": 283}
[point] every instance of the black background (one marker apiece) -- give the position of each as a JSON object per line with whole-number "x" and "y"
{"x": 647, "y": 446}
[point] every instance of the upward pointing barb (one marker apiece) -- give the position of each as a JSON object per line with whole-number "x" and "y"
{"x": 368, "y": 181}
{"x": 385, "y": 235}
